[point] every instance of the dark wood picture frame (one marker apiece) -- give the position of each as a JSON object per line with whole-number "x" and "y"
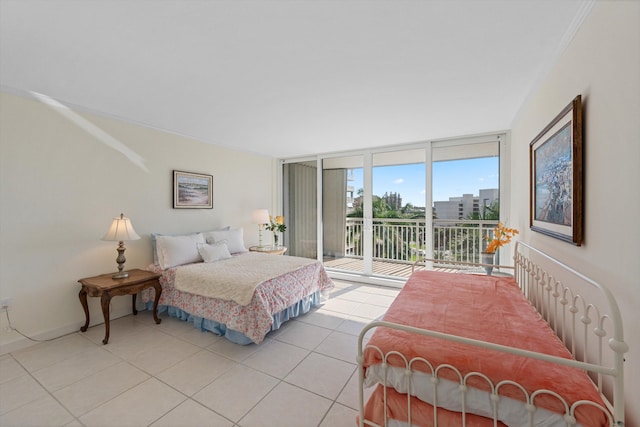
{"x": 192, "y": 190}
{"x": 556, "y": 176}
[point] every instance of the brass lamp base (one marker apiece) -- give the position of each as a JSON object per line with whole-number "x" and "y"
{"x": 120, "y": 260}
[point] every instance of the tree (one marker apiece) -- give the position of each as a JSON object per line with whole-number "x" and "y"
{"x": 468, "y": 242}
{"x": 488, "y": 213}
{"x": 387, "y": 235}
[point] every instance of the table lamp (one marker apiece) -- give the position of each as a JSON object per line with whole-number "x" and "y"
{"x": 121, "y": 230}
{"x": 260, "y": 217}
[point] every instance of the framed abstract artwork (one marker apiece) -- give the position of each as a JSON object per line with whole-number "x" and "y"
{"x": 556, "y": 176}
{"x": 192, "y": 190}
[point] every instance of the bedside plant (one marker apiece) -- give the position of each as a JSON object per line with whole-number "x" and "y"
{"x": 276, "y": 225}
{"x": 501, "y": 236}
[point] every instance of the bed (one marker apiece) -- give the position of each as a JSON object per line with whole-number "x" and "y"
{"x": 543, "y": 348}
{"x": 211, "y": 280}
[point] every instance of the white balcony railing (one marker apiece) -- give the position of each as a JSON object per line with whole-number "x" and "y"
{"x": 404, "y": 240}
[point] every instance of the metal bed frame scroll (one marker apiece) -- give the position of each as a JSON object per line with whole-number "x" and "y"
{"x": 585, "y": 316}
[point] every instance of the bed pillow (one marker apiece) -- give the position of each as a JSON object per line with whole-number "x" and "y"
{"x": 178, "y": 250}
{"x": 234, "y": 238}
{"x": 154, "y": 236}
{"x": 214, "y": 252}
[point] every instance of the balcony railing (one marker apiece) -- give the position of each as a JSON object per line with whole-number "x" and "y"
{"x": 405, "y": 240}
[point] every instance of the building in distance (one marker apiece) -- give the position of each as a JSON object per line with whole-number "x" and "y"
{"x": 465, "y": 206}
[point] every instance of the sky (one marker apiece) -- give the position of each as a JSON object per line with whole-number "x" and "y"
{"x": 450, "y": 179}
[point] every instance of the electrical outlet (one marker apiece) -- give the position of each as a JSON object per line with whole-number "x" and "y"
{"x": 5, "y": 303}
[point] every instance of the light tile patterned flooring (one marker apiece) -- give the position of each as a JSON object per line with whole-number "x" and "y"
{"x": 173, "y": 375}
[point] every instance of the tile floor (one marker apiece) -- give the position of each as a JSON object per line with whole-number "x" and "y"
{"x": 172, "y": 375}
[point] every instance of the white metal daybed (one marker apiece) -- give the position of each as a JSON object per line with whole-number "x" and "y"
{"x": 428, "y": 367}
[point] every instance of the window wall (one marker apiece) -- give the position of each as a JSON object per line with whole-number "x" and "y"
{"x": 372, "y": 213}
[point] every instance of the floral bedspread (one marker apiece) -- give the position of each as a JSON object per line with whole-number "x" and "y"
{"x": 235, "y": 278}
{"x": 253, "y": 320}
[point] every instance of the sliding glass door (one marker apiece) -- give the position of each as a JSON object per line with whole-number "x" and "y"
{"x": 343, "y": 207}
{"x": 466, "y": 198}
{"x": 373, "y": 216}
{"x": 398, "y": 208}
{"x": 300, "y": 207}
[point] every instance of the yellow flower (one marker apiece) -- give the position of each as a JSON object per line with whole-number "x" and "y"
{"x": 276, "y": 224}
{"x": 501, "y": 236}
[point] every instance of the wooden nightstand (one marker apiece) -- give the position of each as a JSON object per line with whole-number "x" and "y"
{"x": 273, "y": 250}
{"x": 105, "y": 286}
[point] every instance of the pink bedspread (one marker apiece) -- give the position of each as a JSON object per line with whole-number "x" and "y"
{"x": 255, "y": 319}
{"x": 490, "y": 309}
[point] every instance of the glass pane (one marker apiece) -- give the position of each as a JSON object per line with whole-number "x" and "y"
{"x": 466, "y": 205}
{"x": 342, "y": 191}
{"x": 301, "y": 208}
{"x": 398, "y": 200}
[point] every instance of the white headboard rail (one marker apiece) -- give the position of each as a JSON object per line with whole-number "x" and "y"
{"x": 575, "y": 318}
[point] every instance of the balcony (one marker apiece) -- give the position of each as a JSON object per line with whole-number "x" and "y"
{"x": 398, "y": 243}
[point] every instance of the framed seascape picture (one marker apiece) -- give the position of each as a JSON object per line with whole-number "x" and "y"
{"x": 192, "y": 190}
{"x": 556, "y": 176}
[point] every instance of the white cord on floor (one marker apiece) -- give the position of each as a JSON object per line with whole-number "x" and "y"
{"x": 11, "y": 327}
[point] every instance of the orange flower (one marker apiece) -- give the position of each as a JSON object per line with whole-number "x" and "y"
{"x": 280, "y": 219}
{"x": 501, "y": 236}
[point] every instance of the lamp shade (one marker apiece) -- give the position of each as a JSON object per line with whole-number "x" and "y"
{"x": 121, "y": 230}
{"x": 260, "y": 216}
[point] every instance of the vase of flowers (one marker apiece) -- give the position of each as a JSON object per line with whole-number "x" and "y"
{"x": 501, "y": 236}
{"x": 276, "y": 225}
{"x": 488, "y": 261}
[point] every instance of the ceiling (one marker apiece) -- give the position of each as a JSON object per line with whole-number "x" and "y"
{"x": 289, "y": 78}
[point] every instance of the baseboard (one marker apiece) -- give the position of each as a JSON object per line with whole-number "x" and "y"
{"x": 16, "y": 342}
{"x": 20, "y": 342}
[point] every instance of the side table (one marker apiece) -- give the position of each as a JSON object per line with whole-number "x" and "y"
{"x": 105, "y": 286}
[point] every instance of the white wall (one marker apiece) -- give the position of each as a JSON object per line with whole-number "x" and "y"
{"x": 60, "y": 187}
{"x": 603, "y": 64}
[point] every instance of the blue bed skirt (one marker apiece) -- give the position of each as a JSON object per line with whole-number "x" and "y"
{"x": 301, "y": 307}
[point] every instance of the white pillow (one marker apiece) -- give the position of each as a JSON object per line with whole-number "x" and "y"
{"x": 234, "y": 238}
{"x": 214, "y": 252}
{"x": 178, "y": 250}
{"x": 154, "y": 236}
